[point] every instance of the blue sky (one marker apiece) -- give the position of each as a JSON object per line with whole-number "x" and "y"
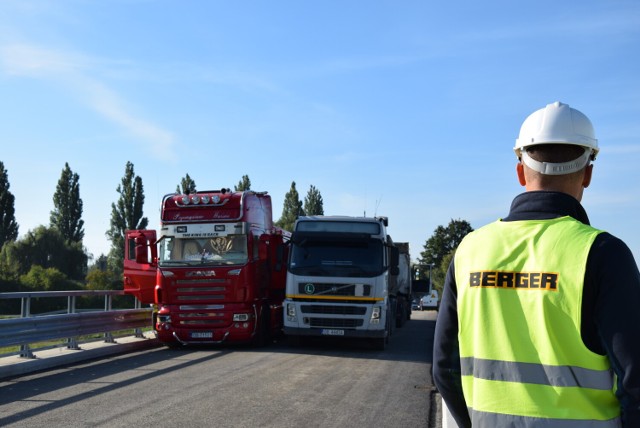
{"x": 407, "y": 109}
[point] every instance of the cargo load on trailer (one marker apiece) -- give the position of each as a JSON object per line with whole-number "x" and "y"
{"x": 400, "y": 286}
{"x": 212, "y": 270}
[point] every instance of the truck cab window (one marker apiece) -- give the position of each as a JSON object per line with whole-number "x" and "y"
{"x": 230, "y": 249}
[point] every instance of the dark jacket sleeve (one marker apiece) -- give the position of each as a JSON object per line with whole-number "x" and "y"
{"x": 614, "y": 314}
{"x": 446, "y": 353}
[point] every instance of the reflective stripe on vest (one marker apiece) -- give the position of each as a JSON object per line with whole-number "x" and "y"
{"x": 483, "y": 419}
{"x": 540, "y": 374}
{"x": 519, "y": 311}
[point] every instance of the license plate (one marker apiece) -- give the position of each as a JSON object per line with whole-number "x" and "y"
{"x": 332, "y": 332}
{"x": 202, "y": 335}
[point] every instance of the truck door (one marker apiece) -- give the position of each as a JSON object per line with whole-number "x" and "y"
{"x": 140, "y": 262}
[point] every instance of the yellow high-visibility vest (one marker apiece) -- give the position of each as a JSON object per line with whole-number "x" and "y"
{"x": 519, "y": 306}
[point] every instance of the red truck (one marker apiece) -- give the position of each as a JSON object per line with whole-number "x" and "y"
{"x": 213, "y": 271}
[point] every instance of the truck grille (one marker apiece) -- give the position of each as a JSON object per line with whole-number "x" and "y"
{"x": 335, "y": 323}
{"x": 314, "y": 289}
{"x": 201, "y": 290}
{"x": 333, "y": 309}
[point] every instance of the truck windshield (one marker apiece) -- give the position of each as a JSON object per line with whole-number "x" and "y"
{"x": 350, "y": 258}
{"x": 226, "y": 250}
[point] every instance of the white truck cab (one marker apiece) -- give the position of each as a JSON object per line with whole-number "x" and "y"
{"x": 430, "y": 300}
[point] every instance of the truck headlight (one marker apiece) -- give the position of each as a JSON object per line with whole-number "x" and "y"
{"x": 240, "y": 317}
{"x": 291, "y": 310}
{"x": 375, "y": 315}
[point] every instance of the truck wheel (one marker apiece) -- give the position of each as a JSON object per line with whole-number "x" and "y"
{"x": 294, "y": 341}
{"x": 262, "y": 336}
{"x": 400, "y": 319}
{"x": 380, "y": 343}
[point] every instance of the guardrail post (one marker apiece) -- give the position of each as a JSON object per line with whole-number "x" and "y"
{"x": 25, "y": 312}
{"x": 27, "y": 334}
{"x": 25, "y": 307}
{"x": 72, "y": 343}
{"x": 137, "y": 305}
{"x": 25, "y": 352}
{"x": 108, "y": 337}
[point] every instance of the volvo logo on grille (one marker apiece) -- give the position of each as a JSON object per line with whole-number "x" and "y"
{"x": 201, "y": 273}
{"x": 309, "y": 288}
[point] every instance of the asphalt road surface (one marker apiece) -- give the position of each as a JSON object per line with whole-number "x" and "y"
{"x": 321, "y": 383}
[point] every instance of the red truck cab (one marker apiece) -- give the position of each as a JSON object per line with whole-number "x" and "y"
{"x": 213, "y": 270}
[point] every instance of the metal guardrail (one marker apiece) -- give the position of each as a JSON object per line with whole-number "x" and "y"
{"x": 28, "y": 329}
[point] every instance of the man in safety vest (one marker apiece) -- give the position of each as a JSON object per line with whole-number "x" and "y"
{"x": 539, "y": 324}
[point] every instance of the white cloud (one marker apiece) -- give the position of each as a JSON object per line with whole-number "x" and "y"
{"x": 77, "y": 73}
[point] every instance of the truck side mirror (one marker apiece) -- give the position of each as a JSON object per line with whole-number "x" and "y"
{"x": 142, "y": 253}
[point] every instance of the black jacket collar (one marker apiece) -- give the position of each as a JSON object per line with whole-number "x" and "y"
{"x": 544, "y": 205}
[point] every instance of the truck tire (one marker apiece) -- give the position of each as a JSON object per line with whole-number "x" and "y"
{"x": 262, "y": 336}
{"x": 380, "y": 343}
{"x": 295, "y": 340}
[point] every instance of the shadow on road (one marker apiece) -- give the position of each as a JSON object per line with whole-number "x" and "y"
{"x": 411, "y": 342}
{"x": 52, "y": 380}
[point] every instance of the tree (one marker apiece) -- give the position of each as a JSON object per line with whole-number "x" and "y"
{"x": 45, "y": 247}
{"x": 103, "y": 280}
{"x": 313, "y": 204}
{"x": 100, "y": 277}
{"x": 186, "y": 186}
{"x": 47, "y": 279}
{"x": 444, "y": 240}
{"x": 125, "y": 215}
{"x": 8, "y": 225}
{"x": 440, "y": 247}
{"x": 291, "y": 209}
{"x": 440, "y": 271}
{"x": 67, "y": 207}
{"x": 244, "y": 184}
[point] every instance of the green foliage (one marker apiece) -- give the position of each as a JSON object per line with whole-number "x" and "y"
{"x": 291, "y": 209}
{"x": 67, "y": 212}
{"x": 186, "y": 186}
{"x": 244, "y": 184}
{"x": 440, "y": 247}
{"x": 8, "y": 225}
{"x": 126, "y": 214}
{"x": 313, "y": 204}
{"x": 45, "y": 247}
{"x": 43, "y": 279}
{"x": 440, "y": 271}
{"x": 103, "y": 280}
{"x": 9, "y": 271}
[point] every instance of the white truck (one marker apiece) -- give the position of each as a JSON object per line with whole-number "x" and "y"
{"x": 338, "y": 276}
{"x": 430, "y": 300}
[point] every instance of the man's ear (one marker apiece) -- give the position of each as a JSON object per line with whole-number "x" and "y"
{"x": 586, "y": 180}
{"x": 520, "y": 172}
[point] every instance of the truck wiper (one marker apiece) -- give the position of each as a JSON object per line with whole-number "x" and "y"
{"x": 214, "y": 262}
{"x": 175, "y": 263}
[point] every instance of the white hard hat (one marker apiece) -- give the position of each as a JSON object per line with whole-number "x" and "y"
{"x": 557, "y": 123}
